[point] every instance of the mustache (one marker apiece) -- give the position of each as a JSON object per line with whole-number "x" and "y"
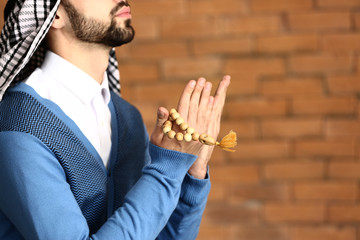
{"x": 118, "y": 7}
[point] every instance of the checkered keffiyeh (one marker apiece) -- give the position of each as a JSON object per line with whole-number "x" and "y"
{"x": 26, "y": 24}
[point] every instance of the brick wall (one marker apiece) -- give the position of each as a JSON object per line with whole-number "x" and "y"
{"x": 293, "y": 102}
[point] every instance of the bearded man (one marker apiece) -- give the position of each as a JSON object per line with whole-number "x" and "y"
{"x": 75, "y": 158}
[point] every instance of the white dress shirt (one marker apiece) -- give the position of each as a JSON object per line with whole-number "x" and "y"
{"x": 80, "y": 96}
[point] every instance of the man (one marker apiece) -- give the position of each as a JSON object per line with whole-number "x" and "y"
{"x": 75, "y": 159}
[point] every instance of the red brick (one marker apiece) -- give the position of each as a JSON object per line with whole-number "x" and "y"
{"x": 261, "y": 150}
{"x": 212, "y": 7}
{"x": 233, "y": 25}
{"x": 157, "y": 8}
{"x": 267, "y": 192}
{"x": 146, "y": 28}
{"x": 255, "y": 67}
{"x": 344, "y": 84}
{"x": 158, "y": 50}
{"x": 294, "y": 170}
{"x": 256, "y": 108}
{"x": 344, "y": 213}
{"x": 2, "y": 6}
{"x": 158, "y": 92}
{"x": 218, "y": 191}
{"x": 126, "y": 90}
{"x": 148, "y": 110}
{"x": 322, "y": 63}
{"x": 343, "y": 127}
{"x": 288, "y": 212}
{"x": 184, "y": 28}
{"x": 260, "y": 233}
{"x": 287, "y": 43}
{"x": 222, "y": 46}
{"x": 242, "y": 85}
{"x": 231, "y": 214}
{"x": 190, "y": 67}
{"x": 214, "y": 232}
{"x": 325, "y": 148}
{"x": 230, "y": 174}
{"x": 325, "y": 190}
{"x": 218, "y": 155}
{"x": 338, "y": 3}
{"x": 280, "y": 5}
{"x": 327, "y": 232}
{"x": 296, "y": 127}
{"x": 320, "y": 21}
{"x": 344, "y": 169}
{"x": 343, "y": 41}
{"x": 244, "y": 129}
{"x": 123, "y": 54}
{"x": 324, "y": 105}
{"x": 292, "y": 87}
{"x": 357, "y": 20}
{"x": 139, "y": 73}
{"x": 294, "y": 93}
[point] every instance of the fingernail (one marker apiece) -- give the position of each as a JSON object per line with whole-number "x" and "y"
{"x": 192, "y": 84}
{"x": 202, "y": 81}
{"x": 161, "y": 114}
{"x": 208, "y": 86}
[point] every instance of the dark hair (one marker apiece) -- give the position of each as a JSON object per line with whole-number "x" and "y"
{"x": 10, "y": 5}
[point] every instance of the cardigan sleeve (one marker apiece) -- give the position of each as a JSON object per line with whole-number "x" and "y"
{"x": 40, "y": 205}
{"x": 185, "y": 221}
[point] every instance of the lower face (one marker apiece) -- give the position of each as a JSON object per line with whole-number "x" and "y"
{"x": 88, "y": 29}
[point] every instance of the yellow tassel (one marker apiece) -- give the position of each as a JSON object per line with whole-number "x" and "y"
{"x": 228, "y": 142}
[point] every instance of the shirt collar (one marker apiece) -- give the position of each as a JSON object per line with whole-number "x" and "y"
{"x": 74, "y": 79}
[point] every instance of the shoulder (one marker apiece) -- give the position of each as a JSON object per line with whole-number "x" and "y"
{"x": 22, "y": 105}
{"x": 19, "y": 149}
{"x": 14, "y": 143}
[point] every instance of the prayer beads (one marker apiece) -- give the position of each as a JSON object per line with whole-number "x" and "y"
{"x": 228, "y": 142}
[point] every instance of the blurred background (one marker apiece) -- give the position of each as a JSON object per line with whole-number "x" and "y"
{"x": 293, "y": 101}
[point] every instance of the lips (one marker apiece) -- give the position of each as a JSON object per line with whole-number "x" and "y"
{"x": 124, "y": 13}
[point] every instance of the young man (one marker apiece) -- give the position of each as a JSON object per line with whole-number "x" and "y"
{"x": 75, "y": 158}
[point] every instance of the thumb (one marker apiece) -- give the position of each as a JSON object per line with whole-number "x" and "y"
{"x": 162, "y": 116}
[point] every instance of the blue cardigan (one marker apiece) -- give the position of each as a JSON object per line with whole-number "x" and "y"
{"x": 54, "y": 184}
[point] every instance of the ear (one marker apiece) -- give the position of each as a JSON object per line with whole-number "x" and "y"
{"x": 59, "y": 20}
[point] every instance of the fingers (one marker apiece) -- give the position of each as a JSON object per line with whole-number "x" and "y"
{"x": 208, "y": 113}
{"x": 184, "y": 102}
{"x": 218, "y": 105}
{"x": 220, "y": 95}
{"x": 195, "y": 99}
{"x": 199, "y": 109}
{"x": 204, "y": 110}
{"x": 162, "y": 116}
{"x": 194, "y": 104}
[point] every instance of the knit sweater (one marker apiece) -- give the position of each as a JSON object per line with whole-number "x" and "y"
{"x": 55, "y": 185}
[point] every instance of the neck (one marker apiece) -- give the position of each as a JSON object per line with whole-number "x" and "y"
{"x": 91, "y": 58}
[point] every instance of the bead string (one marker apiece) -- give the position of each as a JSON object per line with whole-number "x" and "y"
{"x": 228, "y": 142}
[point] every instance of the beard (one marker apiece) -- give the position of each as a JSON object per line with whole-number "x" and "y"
{"x": 91, "y": 30}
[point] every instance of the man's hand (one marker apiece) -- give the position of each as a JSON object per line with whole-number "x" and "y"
{"x": 202, "y": 112}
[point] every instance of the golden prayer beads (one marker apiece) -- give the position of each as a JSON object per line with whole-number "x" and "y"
{"x": 227, "y": 143}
